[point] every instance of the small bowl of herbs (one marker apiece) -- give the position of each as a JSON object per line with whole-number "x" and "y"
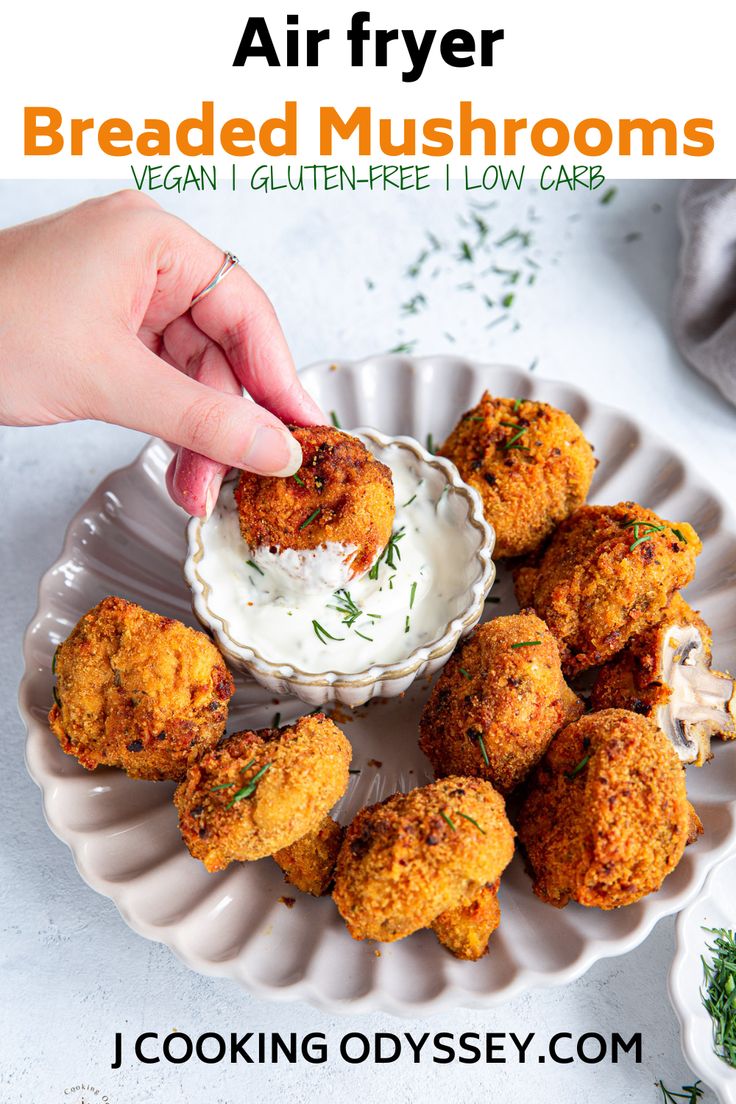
{"x": 702, "y": 981}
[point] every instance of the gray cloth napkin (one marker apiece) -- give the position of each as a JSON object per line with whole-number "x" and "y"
{"x": 704, "y": 302}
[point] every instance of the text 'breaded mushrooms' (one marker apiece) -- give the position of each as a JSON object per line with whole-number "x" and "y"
{"x": 664, "y": 673}
{"x": 607, "y": 573}
{"x": 414, "y": 856}
{"x": 258, "y": 792}
{"x": 530, "y": 463}
{"x": 138, "y": 691}
{"x": 498, "y": 703}
{"x": 606, "y": 817}
{"x": 341, "y": 495}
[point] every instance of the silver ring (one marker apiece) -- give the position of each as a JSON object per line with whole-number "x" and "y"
{"x": 227, "y": 265}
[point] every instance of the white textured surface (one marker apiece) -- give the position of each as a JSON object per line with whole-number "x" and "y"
{"x": 72, "y": 972}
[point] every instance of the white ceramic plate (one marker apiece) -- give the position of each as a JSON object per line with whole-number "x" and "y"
{"x": 129, "y": 539}
{"x": 715, "y": 907}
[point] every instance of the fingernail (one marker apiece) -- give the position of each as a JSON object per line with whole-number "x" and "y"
{"x": 209, "y": 501}
{"x": 273, "y": 452}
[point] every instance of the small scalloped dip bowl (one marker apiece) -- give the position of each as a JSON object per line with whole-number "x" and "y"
{"x": 373, "y": 636}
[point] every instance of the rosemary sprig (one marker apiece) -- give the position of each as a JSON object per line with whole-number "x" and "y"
{"x": 250, "y": 788}
{"x": 719, "y": 997}
{"x": 310, "y": 519}
{"x": 475, "y": 822}
{"x": 322, "y": 634}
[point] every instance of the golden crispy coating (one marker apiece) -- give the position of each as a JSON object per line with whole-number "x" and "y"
{"x": 138, "y": 691}
{"x": 465, "y": 930}
{"x": 415, "y": 855}
{"x": 498, "y": 702}
{"x": 309, "y": 863}
{"x": 606, "y": 817}
{"x": 531, "y": 477}
{"x": 607, "y": 573}
{"x": 632, "y": 679}
{"x": 258, "y": 792}
{"x": 340, "y": 481}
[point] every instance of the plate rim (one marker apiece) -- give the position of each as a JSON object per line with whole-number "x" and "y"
{"x": 452, "y": 995}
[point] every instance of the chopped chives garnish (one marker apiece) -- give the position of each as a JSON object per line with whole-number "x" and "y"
{"x": 482, "y": 744}
{"x": 275, "y": 723}
{"x": 580, "y": 766}
{"x": 430, "y": 443}
{"x": 53, "y": 661}
{"x": 409, "y": 502}
{"x": 412, "y": 595}
{"x": 250, "y": 788}
{"x": 446, "y": 818}
{"x": 223, "y": 786}
{"x": 512, "y": 440}
{"x": 465, "y": 673}
{"x": 492, "y": 599}
{"x": 475, "y": 822}
{"x": 255, "y": 567}
{"x": 298, "y": 480}
{"x": 322, "y": 634}
{"x": 526, "y": 644}
{"x": 407, "y": 624}
{"x": 358, "y": 633}
{"x": 311, "y": 518}
{"x": 335, "y": 420}
{"x": 517, "y": 404}
{"x": 680, "y": 536}
{"x": 354, "y": 770}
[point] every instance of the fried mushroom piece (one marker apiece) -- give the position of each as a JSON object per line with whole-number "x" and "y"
{"x": 341, "y": 495}
{"x": 665, "y": 674}
{"x": 530, "y": 463}
{"x": 465, "y": 930}
{"x": 606, "y": 817}
{"x": 498, "y": 702}
{"x": 259, "y": 792}
{"x": 138, "y": 691}
{"x": 414, "y": 856}
{"x": 309, "y": 864}
{"x": 607, "y": 573}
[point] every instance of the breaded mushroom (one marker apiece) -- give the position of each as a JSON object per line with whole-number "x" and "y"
{"x": 341, "y": 495}
{"x": 498, "y": 702}
{"x": 466, "y": 929}
{"x": 309, "y": 863}
{"x": 530, "y": 463}
{"x": 414, "y": 856}
{"x": 606, "y": 817}
{"x": 138, "y": 691}
{"x": 664, "y": 673}
{"x": 607, "y": 573}
{"x": 259, "y": 792}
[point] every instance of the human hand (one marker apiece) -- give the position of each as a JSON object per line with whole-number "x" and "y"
{"x": 95, "y": 323}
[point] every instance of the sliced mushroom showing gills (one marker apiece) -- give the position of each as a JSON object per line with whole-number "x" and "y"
{"x": 702, "y": 702}
{"x": 665, "y": 674}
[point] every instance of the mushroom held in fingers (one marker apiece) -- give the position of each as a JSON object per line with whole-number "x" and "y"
{"x": 259, "y": 792}
{"x": 498, "y": 703}
{"x": 138, "y": 691}
{"x": 607, "y": 573}
{"x": 665, "y": 674}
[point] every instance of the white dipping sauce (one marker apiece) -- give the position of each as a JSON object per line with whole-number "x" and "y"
{"x": 417, "y": 590}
